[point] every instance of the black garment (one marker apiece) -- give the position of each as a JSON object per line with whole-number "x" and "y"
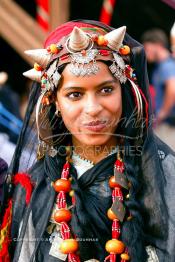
{"x": 11, "y": 101}
{"x": 156, "y": 198}
{"x": 3, "y": 170}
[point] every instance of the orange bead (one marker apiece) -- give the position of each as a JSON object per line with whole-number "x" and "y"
{"x": 114, "y": 246}
{"x": 101, "y": 40}
{"x": 37, "y": 67}
{"x": 62, "y": 215}
{"x": 62, "y": 185}
{"x": 54, "y": 49}
{"x": 124, "y": 50}
{"x": 129, "y": 185}
{"x": 45, "y": 101}
{"x": 125, "y": 256}
{"x": 129, "y": 218}
{"x": 69, "y": 246}
{"x": 112, "y": 182}
{"x": 71, "y": 193}
{"x": 127, "y": 196}
{"x": 111, "y": 214}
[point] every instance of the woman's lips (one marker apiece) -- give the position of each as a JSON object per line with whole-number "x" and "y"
{"x": 95, "y": 126}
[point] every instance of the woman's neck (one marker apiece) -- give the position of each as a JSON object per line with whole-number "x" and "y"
{"x": 94, "y": 153}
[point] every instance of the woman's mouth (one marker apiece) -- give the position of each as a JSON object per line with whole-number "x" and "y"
{"x": 95, "y": 126}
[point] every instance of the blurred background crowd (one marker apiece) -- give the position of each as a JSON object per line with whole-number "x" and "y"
{"x": 25, "y": 25}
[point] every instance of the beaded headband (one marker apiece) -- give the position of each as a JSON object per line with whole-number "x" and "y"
{"x": 80, "y": 48}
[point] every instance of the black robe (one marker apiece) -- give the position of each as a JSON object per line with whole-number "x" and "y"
{"x": 156, "y": 199}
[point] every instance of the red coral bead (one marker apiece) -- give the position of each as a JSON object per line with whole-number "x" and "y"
{"x": 48, "y": 49}
{"x": 104, "y": 52}
{"x": 63, "y": 57}
{"x": 62, "y": 185}
{"x": 62, "y": 215}
{"x": 94, "y": 37}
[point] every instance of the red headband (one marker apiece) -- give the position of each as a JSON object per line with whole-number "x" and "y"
{"x": 62, "y": 31}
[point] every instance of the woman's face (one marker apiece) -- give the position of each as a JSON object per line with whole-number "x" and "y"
{"x": 91, "y": 106}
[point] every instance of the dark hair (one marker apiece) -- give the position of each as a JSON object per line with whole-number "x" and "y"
{"x": 155, "y": 36}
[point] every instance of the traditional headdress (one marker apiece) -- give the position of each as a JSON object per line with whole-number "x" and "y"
{"x": 82, "y": 45}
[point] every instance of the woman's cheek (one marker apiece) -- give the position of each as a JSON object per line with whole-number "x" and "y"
{"x": 70, "y": 117}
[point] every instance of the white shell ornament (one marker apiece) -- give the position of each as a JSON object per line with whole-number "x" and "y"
{"x": 33, "y": 75}
{"x": 115, "y": 38}
{"x": 41, "y": 56}
{"x": 78, "y": 40}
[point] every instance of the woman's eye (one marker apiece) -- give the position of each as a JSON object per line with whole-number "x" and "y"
{"x": 74, "y": 95}
{"x": 107, "y": 90}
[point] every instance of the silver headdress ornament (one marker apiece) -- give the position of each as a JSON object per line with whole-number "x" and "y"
{"x": 115, "y": 38}
{"x": 79, "y": 63}
{"x": 83, "y": 50}
{"x": 118, "y": 68}
{"x": 33, "y": 75}
{"x": 83, "y": 56}
{"x": 80, "y": 41}
{"x": 40, "y": 56}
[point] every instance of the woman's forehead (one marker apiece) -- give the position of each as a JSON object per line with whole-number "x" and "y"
{"x": 103, "y": 75}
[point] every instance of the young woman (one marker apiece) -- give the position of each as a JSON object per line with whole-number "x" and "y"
{"x": 101, "y": 188}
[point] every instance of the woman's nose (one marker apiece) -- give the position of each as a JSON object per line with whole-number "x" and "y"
{"x": 92, "y": 106}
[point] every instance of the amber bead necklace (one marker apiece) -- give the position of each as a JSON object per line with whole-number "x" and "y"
{"x": 116, "y": 213}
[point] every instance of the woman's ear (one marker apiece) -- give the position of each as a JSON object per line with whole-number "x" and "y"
{"x": 57, "y": 105}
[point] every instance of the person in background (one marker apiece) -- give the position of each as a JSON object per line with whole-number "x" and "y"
{"x": 155, "y": 43}
{"x": 10, "y": 119}
{"x": 3, "y": 170}
{"x": 10, "y": 110}
{"x": 172, "y": 39}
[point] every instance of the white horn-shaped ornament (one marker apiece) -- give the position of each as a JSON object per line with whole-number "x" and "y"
{"x": 115, "y": 38}
{"x": 33, "y": 75}
{"x": 78, "y": 39}
{"x": 41, "y": 56}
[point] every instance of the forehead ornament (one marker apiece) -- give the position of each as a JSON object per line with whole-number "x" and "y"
{"x": 79, "y": 63}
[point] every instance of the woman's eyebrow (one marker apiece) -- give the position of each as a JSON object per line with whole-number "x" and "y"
{"x": 82, "y": 88}
{"x": 107, "y": 82}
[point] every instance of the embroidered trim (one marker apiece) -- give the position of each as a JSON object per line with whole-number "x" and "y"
{"x": 152, "y": 254}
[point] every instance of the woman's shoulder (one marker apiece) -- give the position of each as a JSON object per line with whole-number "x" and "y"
{"x": 166, "y": 156}
{"x": 36, "y": 171}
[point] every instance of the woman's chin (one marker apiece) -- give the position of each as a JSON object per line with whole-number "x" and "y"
{"x": 93, "y": 139}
